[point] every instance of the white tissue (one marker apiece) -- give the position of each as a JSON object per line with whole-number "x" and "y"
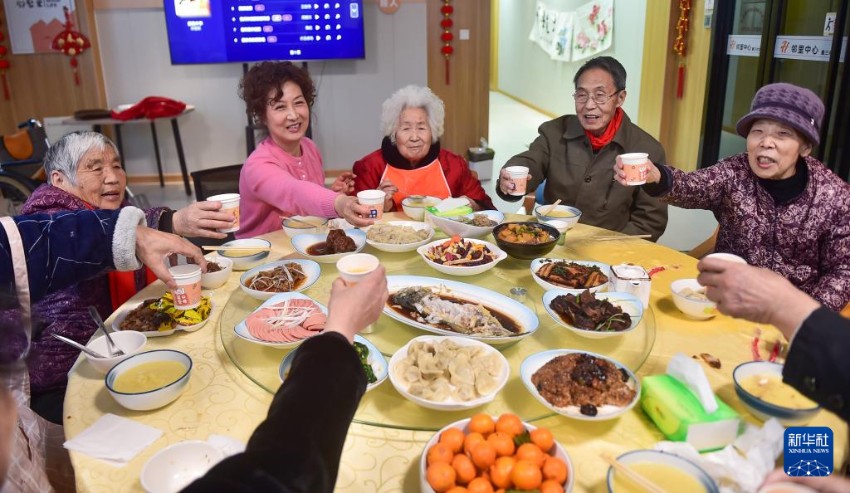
{"x": 451, "y": 203}
{"x": 98, "y": 440}
{"x": 691, "y": 374}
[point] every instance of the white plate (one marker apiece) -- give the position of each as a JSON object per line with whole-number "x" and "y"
{"x": 241, "y": 329}
{"x": 560, "y": 452}
{"x": 629, "y": 303}
{"x": 521, "y": 314}
{"x": 451, "y": 227}
{"x": 403, "y": 247}
{"x": 116, "y": 324}
{"x": 536, "y": 361}
{"x": 448, "y": 404}
{"x": 461, "y": 270}
{"x": 376, "y": 361}
{"x": 302, "y": 242}
{"x": 311, "y": 270}
{"x": 537, "y": 263}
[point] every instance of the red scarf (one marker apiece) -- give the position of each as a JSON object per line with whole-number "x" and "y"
{"x": 608, "y": 135}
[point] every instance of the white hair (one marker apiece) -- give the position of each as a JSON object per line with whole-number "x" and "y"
{"x": 65, "y": 154}
{"x": 413, "y": 97}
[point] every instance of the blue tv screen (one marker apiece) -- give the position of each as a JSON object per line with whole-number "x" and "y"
{"x": 229, "y": 31}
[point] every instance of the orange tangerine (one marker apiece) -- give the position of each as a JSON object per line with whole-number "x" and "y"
{"x": 510, "y": 424}
{"x": 531, "y": 452}
{"x": 555, "y": 469}
{"x": 543, "y": 438}
{"x": 461, "y": 489}
{"x": 503, "y": 443}
{"x": 483, "y": 455}
{"x": 439, "y": 452}
{"x": 500, "y": 472}
{"x": 482, "y": 423}
{"x": 441, "y": 476}
{"x": 464, "y": 468}
{"x": 479, "y": 485}
{"x": 470, "y": 440}
{"x": 550, "y": 486}
{"x": 526, "y": 475}
{"x": 453, "y": 437}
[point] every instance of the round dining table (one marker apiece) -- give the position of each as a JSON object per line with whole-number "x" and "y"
{"x": 233, "y": 380}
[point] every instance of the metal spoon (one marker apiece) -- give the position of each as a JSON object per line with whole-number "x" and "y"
{"x": 79, "y": 346}
{"x": 111, "y": 347}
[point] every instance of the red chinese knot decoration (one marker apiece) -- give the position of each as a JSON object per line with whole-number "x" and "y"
{"x": 4, "y": 66}
{"x": 680, "y": 44}
{"x": 71, "y": 43}
{"x": 446, "y": 24}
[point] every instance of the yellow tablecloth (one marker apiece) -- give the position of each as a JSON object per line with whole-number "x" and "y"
{"x": 221, "y": 399}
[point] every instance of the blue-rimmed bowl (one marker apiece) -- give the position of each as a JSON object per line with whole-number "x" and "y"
{"x": 301, "y": 243}
{"x": 311, "y": 269}
{"x": 566, "y": 213}
{"x": 656, "y": 457}
{"x": 244, "y": 260}
{"x": 762, "y": 409}
{"x": 158, "y": 396}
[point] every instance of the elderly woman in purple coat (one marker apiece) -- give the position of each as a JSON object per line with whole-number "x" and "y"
{"x": 776, "y": 205}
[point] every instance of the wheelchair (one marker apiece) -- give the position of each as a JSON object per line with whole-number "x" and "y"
{"x": 21, "y": 170}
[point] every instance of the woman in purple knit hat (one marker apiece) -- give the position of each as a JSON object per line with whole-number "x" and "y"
{"x": 776, "y": 205}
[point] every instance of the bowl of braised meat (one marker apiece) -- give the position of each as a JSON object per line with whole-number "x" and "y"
{"x": 594, "y": 315}
{"x": 526, "y": 240}
{"x": 282, "y": 276}
{"x": 574, "y": 276}
{"x": 329, "y": 247}
{"x": 580, "y": 384}
{"x": 218, "y": 271}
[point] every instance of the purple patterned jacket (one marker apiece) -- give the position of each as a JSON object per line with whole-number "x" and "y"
{"x": 806, "y": 240}
{"x": 65, "y": 312}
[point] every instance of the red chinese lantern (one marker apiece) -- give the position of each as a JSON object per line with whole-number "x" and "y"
{"x": 4, "y": 66}
{"x": 71, "y": 43}
{"x": 446, "y": 24}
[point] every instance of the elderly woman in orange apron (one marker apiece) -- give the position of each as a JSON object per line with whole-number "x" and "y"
{"x": 410, "y": 160}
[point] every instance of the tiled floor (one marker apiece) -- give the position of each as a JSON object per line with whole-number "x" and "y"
{"x": 512, "y": 128}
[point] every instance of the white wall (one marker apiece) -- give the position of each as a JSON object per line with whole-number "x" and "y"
{"x": 136, "y": 64}
{"x": 528, "y": 73}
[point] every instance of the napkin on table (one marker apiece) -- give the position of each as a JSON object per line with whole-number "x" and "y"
{"x": 114, "y": 439}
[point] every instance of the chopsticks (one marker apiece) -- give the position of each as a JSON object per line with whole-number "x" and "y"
{"x": 546, "y": 211}
{"x": 301, "y": 221}
{"x": 236, "y": 248}
{"x": 619, "y": 237}
{"x": 635, "y": 477}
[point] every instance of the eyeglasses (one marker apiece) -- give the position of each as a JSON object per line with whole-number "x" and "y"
{"x": 597, "y": 97}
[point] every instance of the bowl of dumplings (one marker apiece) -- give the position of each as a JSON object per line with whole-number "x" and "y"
{"x": 448, "y": 373}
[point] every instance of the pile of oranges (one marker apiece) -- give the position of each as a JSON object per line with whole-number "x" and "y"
{"x": 495, "y": 456}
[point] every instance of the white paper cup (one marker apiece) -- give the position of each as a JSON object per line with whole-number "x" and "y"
{"x": 355, "y": 267}
{"x": 518, "y": 175}
{"x": 635, "y": 165}
{"x": 187, "y": 295}
{"x": 374, "y": 199}
{"x": 729, "y": 257}
{"x": 229, "y": 203}
{"x": 561, "y": 226}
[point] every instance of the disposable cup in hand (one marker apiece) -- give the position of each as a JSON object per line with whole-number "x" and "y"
{"x": 353, "y": 268}
{"x": 187, "y": 295}
{"x": 636, "y": 165}
{"x": 518, "y": 179}
{"x": 374, "y": 200}
{"x": 229, "y": 203}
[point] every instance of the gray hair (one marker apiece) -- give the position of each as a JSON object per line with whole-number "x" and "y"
{"x": 413, "y": 97}
{"x": 65, "y": 154}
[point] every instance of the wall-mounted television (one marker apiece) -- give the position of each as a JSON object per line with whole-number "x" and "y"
{"x": 231, "y": 31}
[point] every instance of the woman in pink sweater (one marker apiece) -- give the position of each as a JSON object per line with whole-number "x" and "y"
{"x": 284, "y": 175}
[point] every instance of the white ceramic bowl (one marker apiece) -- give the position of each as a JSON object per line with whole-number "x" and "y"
{"x": 293, "y": 228}
{"x": 537, "y": 263}
{"x": 241, "y": 329}
{"x": 451, "y": 227}
{"x": 450, "y": 404}
{"x": 629, "y": 303}
{"x": 213, "y": 280}
{"x": 311, "y": 270}
{"x": 129, "y": 341}
{"x": 568, "y": 214}
{"x": 156, "y": 398}
{"x": 693, "y": 308}
{"x": 462, "y": 270}
{"x": 765, "y": 410}
{"x": 403, "y": 247}
{"x": 302, "y": 242}
{"x": 536, "y": 361}
{"x": 556, "y": 451}
{"x": 658, "y": 457}
{"x": 375, "y": 359}
{"x": 413, "y": 209}
{"x": 176, "y": 466}
{"x": 241, "y": 261}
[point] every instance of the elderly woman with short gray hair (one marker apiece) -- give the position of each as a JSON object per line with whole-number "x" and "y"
{"x": 84, "y": 173}
{"x": 410, "y": 160}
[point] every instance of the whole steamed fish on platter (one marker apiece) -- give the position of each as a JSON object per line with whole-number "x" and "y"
{"x": 454, "y": 308}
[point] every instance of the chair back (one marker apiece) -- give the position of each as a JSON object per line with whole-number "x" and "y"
{"x": 214, "y": 181}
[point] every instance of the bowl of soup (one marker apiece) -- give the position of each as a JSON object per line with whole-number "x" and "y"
{"x": 297, "y": 225}
{"x": 566, "y": 213}
{"x": 149, "y": 380}
{"x": 667, "y": 471}
{"x": 760, "y": 387}
{"x": 245, "y": 253}
{"x": 689, "y": 297}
